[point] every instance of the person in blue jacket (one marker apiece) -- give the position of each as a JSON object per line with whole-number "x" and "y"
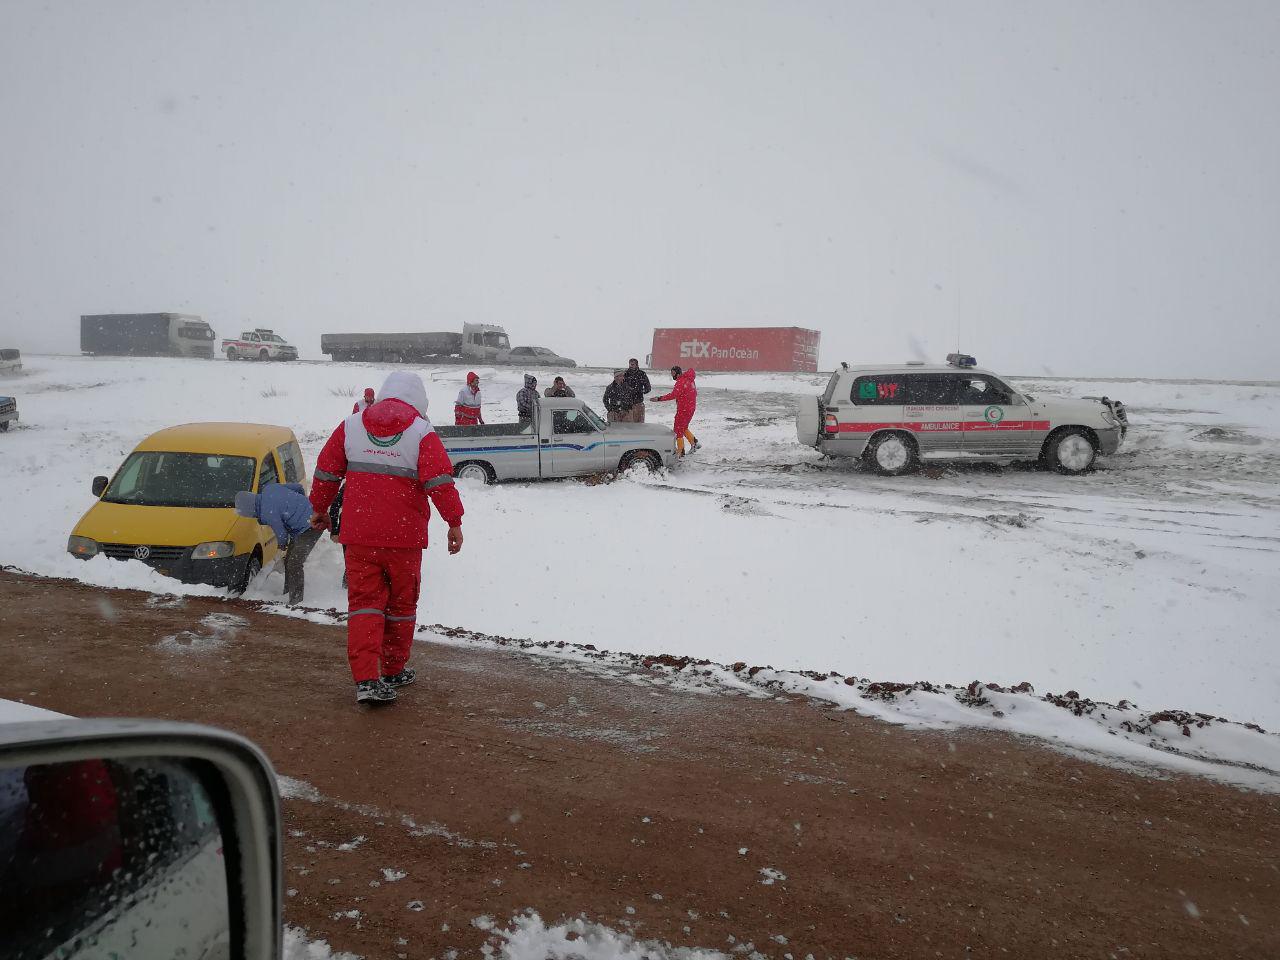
{"x": 284, "y": 508}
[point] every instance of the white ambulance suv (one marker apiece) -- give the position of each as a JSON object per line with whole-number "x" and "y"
{"x": 897, "y": 415}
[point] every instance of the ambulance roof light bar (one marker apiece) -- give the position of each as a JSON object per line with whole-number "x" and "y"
{"x": 961, "y": 360}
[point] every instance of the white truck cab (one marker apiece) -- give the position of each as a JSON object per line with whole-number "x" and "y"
{"x": 893, "y": 416}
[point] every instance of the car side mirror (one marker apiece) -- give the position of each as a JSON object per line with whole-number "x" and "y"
{"x": 137, "y": 838}
{"x": 99, "y": 486}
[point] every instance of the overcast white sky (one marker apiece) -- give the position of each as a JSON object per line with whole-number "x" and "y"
{"x": 1086, "y": 188}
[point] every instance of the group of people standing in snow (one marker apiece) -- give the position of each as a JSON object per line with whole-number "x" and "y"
{"x": 624, "y": 400}
{"x": 386, "y": 467}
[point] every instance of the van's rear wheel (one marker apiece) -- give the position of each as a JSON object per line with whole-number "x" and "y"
{"x": 890, "y": 454}
{"x": 475, "y": 470}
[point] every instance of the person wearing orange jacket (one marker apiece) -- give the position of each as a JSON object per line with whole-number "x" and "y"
{"x": 395, "y": 468}
{"x": 685, "y": 394}
{"x": 466, "y": 409}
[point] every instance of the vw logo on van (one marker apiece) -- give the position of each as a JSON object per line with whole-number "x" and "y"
{"x": 141, "y": 553}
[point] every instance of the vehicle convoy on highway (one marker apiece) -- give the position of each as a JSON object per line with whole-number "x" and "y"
{"x": 8, "y": 412}
{"x": 477, "y": 343}
{"x": 172, "y": 502}
{"x": 894, "y": 416}
{"x": 146, "y": 335}
{"x": 10, "y": 360}
{"x": 565, "y": 439}
{"x": 259, "y": 344}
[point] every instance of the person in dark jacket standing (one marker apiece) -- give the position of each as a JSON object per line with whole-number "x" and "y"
{"x": 526, "y": 397}
{"x": 619, "y": 398}
{"x": 559, "y": 389}
{"x": 284, "y": 508}
{"x": 638, "y": 381}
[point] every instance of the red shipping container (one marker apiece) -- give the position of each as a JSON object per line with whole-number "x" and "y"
{"x": 790, "y": 349}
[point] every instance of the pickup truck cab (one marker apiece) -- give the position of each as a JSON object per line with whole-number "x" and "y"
{"x": 566, "y": 438}
{"x": 894, "y": 416}
{"x": 259, "y": 344}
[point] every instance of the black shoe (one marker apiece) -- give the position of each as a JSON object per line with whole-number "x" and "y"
{"x": 374, "y": 692}
{"x": 401, "y": 679}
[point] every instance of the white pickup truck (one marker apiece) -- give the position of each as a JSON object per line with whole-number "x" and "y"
{"x": 565, "y": 439}
{"x": 894, "y": 416}
{"x": 259, "y": 344}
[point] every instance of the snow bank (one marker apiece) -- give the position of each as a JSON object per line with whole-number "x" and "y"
{"x": 13, "y": 711}
{"x": 528, "y": 937}
{"x": 1151, "y": 581}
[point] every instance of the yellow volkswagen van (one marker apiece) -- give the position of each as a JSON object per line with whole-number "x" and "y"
{"x": 172, "y": 502}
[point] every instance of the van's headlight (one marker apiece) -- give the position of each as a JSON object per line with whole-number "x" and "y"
{"x": 82, "y": 547}
{"x": 213, "y": 550}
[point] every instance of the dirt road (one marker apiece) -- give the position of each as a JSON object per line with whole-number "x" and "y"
{"x": 503, "y": 781}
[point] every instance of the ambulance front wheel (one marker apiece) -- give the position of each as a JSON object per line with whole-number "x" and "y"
{"x": 890, "y": 454}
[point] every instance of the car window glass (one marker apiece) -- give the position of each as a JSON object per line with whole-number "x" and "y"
{"x": 107, "y": 858}
{"x": 291, "y": 472}
{"x": 929, "y": 389}
{"x": 980, "y": 390}
{"x": 570, "y": 421}
{"x": 878, "y": 389}
{"x": 268, "y": 473}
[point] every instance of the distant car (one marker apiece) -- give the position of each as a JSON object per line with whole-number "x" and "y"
{"x": 8, "y": 412}
{"x": 896, "y": 415}
{"x": 538, "y": 357}
{"x": 10, "y": 361}
{"x": 259, "y": 344}
{"x": 172, "y": 502}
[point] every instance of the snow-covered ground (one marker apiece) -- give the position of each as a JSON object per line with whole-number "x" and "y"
{"x": 1152, "y": 580}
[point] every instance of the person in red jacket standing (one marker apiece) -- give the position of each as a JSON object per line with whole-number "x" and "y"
{"x": 685, "y": 394}
{"x": 364, "y": 402}
{"x": 466, "y": 409}
{"x": 393, "y": 463}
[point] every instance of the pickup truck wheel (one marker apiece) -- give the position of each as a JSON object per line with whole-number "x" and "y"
{"x": 231, "y": 353}
{"x": 891, "y": 454}
{"x": 474, "y": 470}
{"x": 646, "y": 461}
{"x": 1070, "y": 451}
{"x": 264, "y": 354}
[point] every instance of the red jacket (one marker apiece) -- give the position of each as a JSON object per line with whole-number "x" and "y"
{"x": 380, "y": 509}
{"x": 685, "y": 392}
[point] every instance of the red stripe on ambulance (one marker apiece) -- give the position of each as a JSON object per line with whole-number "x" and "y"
{"x": 949, "y": 426}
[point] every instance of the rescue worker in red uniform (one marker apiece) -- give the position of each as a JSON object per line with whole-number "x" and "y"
{"x": 685, "y": 394}
{"x": 393, "y": 463}
{"x": 364, "y": 402}
{"x": 466, "y": 409}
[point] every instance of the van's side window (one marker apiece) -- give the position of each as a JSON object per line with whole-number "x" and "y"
{"x": 289, "y": 457}
{"x": 268, "y": 473}
{"x": 881, "y": 389}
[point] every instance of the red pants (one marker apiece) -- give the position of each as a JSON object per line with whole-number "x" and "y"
{"x": 383, "y": 584}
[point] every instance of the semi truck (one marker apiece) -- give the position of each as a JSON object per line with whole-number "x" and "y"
{"x": 477, "y": 343}
{"x": 146, "y": 335}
